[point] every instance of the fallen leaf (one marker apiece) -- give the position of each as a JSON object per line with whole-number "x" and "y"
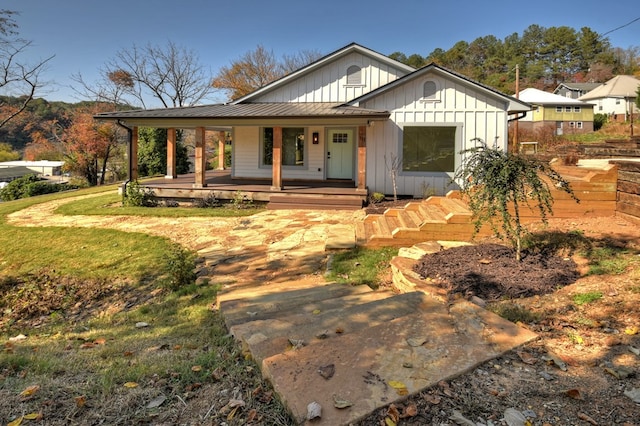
{"x": 460, "y": 419}
{"x": 587, "y": 419}
{"x": 411, "y": 410}
{"x": 32, "y": 416}
{"x": 177, "y": 347}
{"x": 339, "y": 330}
{"x": 29, "y": 391}
{"x": 514, "y": 417}
{"x": 393, "y": 413}
{"x": 87, "y": 345}
{"x": 620, "y": 372}
{"x": 574, "y": 394}
{"x": 527, "y": 358}
{"x": 314, "y": 410}
{"x": 401, "y": 388}
{"x": 316, "y": 311}
{"x": 631, "y": 331}
{"x": 327, "y": 371}
{"x": 80, "y": 401}
{"x": 156, "y": 402}
{"x": 432, "y": 399}
{"x": 128, "y": 353}
{"x": 554, "y": 359}
{"x": 193, "y": 386}
{"x": 16, "y": 422}
{"x": 233, "y": 403}
{"x": 341, "y": 403}
{"x": 252, "y": 415}
{"x": 131, "y": 385}
{"x": 196, "y": 368}
{"x": 389, "y": 422}
{"x": 141, "y": 324}
{"x": 100, "y": 341}
{"x": 634, "y": 350}
{"x": 18, "y": 338}
{"x": 233, "y": 412}
{"x": 634, "y": 394}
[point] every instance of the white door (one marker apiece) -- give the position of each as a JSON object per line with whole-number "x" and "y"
{"x": 340, "y": 153}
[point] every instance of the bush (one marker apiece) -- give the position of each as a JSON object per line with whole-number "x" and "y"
{"x": 181, "y": 264}
{"x": 138, "y": 196}
{"x": 599, "y": 120}
{"x": 31, "y": 185}
{"x": 209, "y": 201}
{"x": 376, "y": 197}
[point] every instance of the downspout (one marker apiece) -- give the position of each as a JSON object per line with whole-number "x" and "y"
{"x": 130, "y": 154}
{"x": 518, "y": 117}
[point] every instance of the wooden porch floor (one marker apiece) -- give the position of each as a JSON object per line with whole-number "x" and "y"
{"x": 293, "y": 194}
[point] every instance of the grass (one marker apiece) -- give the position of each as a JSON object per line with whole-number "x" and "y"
{"x": 83, "y": 362}
{"x": 361, "y": 266}
{"x": 585, "y": 298}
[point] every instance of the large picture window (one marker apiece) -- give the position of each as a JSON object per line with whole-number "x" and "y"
{"x": 292, "y": 146}
{"x": 428, "y": 149}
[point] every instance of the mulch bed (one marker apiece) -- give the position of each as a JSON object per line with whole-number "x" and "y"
{"x": 491, "y": 272}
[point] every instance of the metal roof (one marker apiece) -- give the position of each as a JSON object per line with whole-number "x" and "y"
{"x": 249, "y": 111}
{"x": 621, "y": 86}
{"x": 540, "y": 97}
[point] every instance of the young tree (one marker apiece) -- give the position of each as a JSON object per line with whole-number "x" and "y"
{"x": 152, "y": 152}
{"x": 497, "y": 183}
{"x": 88, "y": 144}
{"x": 257, "y": 68}
{"x": 18, "y": 78}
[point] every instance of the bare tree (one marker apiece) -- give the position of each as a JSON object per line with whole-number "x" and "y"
{"x": 258, "y": 68}
{"x": 171, "y": 74}
{"x": 17, "y": 78}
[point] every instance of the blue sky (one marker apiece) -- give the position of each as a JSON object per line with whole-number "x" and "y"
{"x": 84, "y": 34}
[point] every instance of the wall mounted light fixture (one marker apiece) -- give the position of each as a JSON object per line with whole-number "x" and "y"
{"x": 315, "y": 138}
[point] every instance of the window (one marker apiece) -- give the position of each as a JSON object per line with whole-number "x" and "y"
{"x": 428, "y": 149}
{"x": 558, "y": 109}
{"x": 340, "y": 138}
{"x": 579, "y": 124}
{"x": 577, "y": 109}
{"x": 354, "y": 75}
{"x": 567, "y": 109}
{"x": 292, "y": 146}
{"x": 572, "y": 124}
{"x": 617, "y": 101}
{"x": 430, "y": 90}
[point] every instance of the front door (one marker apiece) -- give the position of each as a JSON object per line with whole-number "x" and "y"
{"x": 340, "y": 153}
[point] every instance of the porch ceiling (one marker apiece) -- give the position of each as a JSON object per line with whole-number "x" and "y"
{"x": 224, "y": 115}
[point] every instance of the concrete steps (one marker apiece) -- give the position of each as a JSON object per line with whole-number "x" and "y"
{"x": 325, "y": 341}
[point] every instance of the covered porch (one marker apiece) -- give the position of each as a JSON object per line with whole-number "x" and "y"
{"x": 325, "y": 136}
{"x": 342, "y": 194}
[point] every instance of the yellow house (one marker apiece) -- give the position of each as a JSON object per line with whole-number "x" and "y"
{"x": 564, "y": 115}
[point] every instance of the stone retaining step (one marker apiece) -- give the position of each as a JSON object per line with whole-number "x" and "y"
{"x": 265, "y": 338}
{"x": 380, "y": 364}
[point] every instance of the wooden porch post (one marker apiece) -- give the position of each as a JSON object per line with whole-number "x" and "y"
{"x": 221, "y": 146}
{"x": 361, "y": 183}
{"x": 133, "y": 155}
{"x": 171, "y": 154}
{"x": 276, "y": 179}
{"x": 200, "y": 160}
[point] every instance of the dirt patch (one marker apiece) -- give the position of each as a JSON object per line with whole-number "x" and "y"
{"x": 491, "y": 272}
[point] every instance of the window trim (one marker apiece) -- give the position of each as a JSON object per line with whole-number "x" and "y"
{"x": 305, "y": 149}
{"x": 559, "y": 109}
{"x": 577, "y": 109}
{"x": 456, "y": 149}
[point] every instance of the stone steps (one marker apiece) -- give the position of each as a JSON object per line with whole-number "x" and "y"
{"x": 360, "y": 339}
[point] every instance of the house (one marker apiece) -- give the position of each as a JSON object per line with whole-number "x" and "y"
{"x": 560, "y": 113}
{"x": 616, "y": 97}
{"x": 41, "y": 168}
{"x": 349, "y": 118}
{"x": 574, "y": 90}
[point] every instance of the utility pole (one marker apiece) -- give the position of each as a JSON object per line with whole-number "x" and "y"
{"x": 515, "y": 124}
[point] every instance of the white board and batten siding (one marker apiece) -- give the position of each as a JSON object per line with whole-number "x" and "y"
{"x": 475, "y": 113}
{"x": 329, "y": 83}
{"x": 247, "y": 162}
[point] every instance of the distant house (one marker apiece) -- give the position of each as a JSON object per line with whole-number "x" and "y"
{"x": 574, "y": 90}
{"x": 562, "y": 114}
{"x": 42, "y": 168}
{"x": 346, "y": 118}
{"x": 615, "y": 98}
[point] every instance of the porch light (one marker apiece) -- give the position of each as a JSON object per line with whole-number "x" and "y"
{"x": 315, "y": 138}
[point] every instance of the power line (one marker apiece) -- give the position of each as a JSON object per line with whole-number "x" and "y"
{"x": 621, "y": 26}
